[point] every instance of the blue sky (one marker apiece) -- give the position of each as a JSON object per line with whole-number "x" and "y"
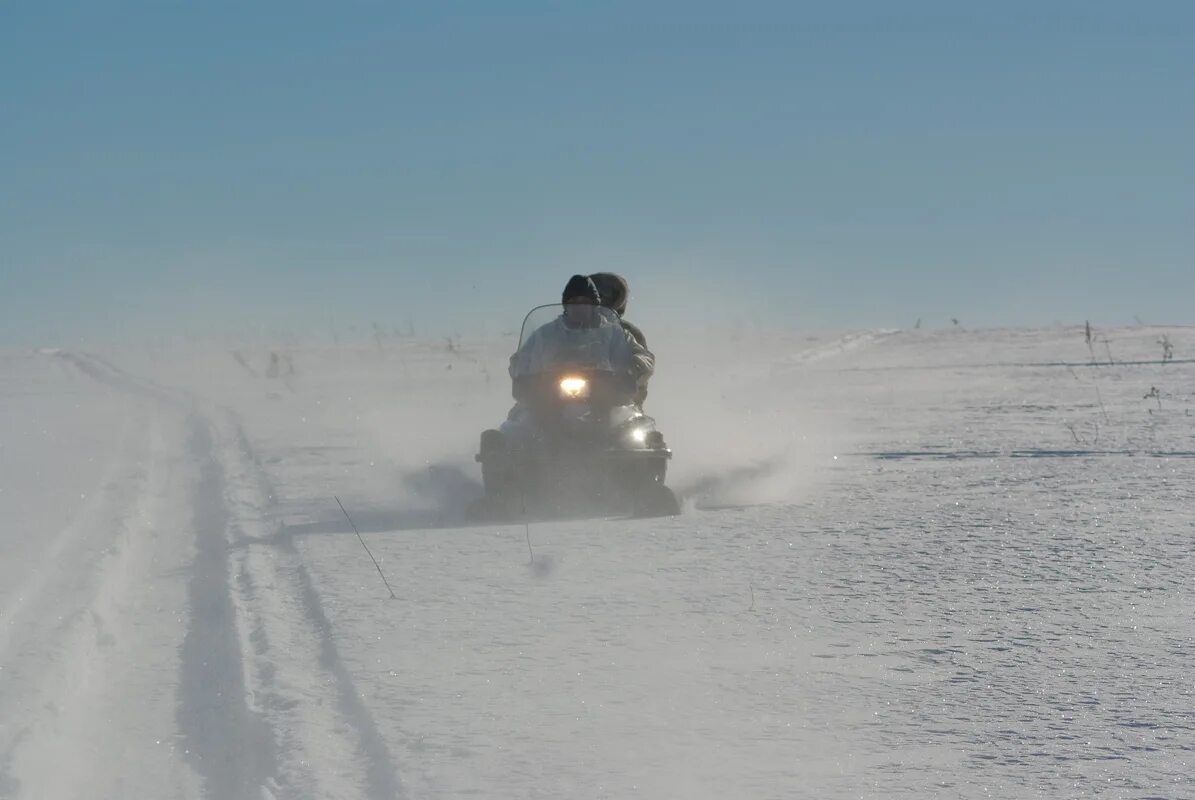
{"x": 199, "y": 166}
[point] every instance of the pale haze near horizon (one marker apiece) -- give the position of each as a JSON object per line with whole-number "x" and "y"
{"x": 187, "y": 170}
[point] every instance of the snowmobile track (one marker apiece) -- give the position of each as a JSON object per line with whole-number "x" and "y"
{"x": 253, "y": 711}
{"x": 276, "y": 562}
{"x": 229, "y": 744}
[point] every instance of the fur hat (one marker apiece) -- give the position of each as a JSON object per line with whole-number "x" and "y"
{"x": 614, "y": 291}
{"x": 580, "y": 286}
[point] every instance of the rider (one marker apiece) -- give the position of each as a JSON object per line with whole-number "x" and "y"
{"x": 581, "y": 303}
{"x": 580, "y": 300}
{"x": 615, "y": 292}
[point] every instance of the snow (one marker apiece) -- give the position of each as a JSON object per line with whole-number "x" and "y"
{"x": 912, "y": 564}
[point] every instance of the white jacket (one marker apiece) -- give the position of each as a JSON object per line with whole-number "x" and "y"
{"x": 606, "y": 346}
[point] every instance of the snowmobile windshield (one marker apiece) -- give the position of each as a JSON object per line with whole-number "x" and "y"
{"x": 583, "y": 337}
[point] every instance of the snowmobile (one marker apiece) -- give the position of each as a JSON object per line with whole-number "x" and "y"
{"x": 575, "y": 443}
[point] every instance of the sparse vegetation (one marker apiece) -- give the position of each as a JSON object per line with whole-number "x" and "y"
{"x": 280, "y": 365}
{"x": 1090, "y": 337}
{"x": 1082, "y": 440}
{"x": 1167, "y": 348}
{"x": 1108, "y": 349}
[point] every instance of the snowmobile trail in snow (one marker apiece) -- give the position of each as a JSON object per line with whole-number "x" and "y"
{"x": 165, "y": 572}
{"x": 219, "y": 734}
{"x": 306, "y": 691}
{"x": 93, "y": 625}
{"x": 228, "y": 743}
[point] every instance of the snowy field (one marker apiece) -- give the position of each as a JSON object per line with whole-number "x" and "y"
{"x": 911, "y": 564}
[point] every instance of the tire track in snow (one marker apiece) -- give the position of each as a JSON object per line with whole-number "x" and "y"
{"x": 381, "y": 777}
{"x": 844, "y": 344}
{"x": 50, "y": 626}
{"x": 113, "y": 377}
{"x": 121, "y": 640}
{"x": 69, "y": 545}
{"x": 227, "y": 653}
{"x": 229, "y": 745}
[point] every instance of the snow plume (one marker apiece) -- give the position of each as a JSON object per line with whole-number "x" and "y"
{"x": 739, "y": 426}
{"x": 392, "y": 425}
{"x": 437, "y": 495}
{"x": 729, "y": 403}
{"x": 424, "y": 419}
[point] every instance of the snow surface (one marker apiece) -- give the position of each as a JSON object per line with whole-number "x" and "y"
{"x": 911, "y": 564}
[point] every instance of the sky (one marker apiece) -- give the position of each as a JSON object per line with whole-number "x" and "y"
{"x": 188, "y": 168}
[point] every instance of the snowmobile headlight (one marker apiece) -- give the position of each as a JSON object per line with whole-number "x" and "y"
{"x": 574, "y": 388}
